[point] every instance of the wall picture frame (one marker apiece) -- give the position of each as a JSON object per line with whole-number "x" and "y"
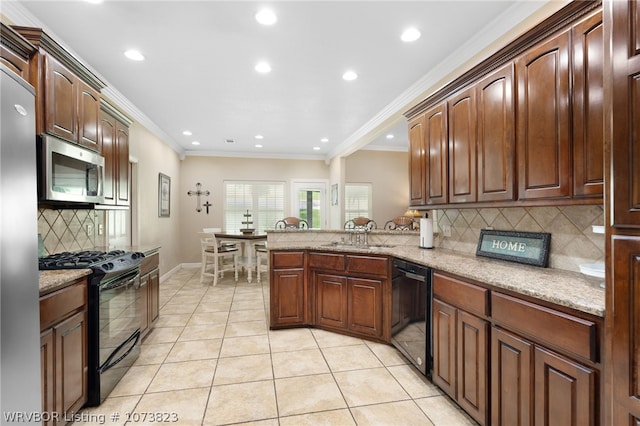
{"x": 531, "y": 248}
{"x": 164, "y": 195}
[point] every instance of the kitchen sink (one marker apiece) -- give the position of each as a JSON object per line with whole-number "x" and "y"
{"x": 358, "y": 246}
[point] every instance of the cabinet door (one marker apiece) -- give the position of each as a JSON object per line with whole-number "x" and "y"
{"x": 496, "y": 136}
{"x": 462, "y": 147}
{"x": 47, "y": 370}
{"x": 511, "y": 379}
{"x": 588, "y": 107}
{"x": 444, "y": 347}
{"x": 543, "y": 138}
{"x": 624, "y": 21}
{"x": 89, "y": 116}
{"x": 364, "y": 306}
{"x": 417, "y": 161}
{"x": 624, "y": 364}
{"x": 287, "y": 297}
{"x": 143, "y": 304}
{"x": 70, "y": 337}
{"x": 154, "y": 297}
{"x": 14, "y": 62}
{"x": 472, "y": 367}
{"x": 436, "y": 148}
{"x": 61, "y": 101}
{"x": 107, "y": 138}
{"x": 122, "y": 169}
{"x": 564, "y": 391}
{"x": 331, "y": 308}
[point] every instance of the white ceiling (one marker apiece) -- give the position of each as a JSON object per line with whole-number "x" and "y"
{"x": 200, "y": 55}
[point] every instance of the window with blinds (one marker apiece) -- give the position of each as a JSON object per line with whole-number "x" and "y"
{"x": 263, "y": 200}
{"x": 357, "y": 200}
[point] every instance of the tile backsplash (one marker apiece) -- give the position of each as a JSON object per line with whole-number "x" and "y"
{"x": 69, "y": 230}
{"x": 572, "y": 239}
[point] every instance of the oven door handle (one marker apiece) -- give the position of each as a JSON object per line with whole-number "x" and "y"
{"x": 123, "y": 281}
{"x": 110, "y": 362}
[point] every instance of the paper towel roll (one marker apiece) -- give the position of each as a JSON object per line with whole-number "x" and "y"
{"x": 426, "y": 233}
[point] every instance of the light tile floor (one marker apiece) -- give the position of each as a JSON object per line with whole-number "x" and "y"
{"x": 212, "y": 360}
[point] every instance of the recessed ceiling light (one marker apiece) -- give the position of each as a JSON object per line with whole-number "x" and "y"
{"x": 263, "y": 67}
{"x": 349, "y": 75}
{"x": 187, "y": 133}
{"x": 258, "y": 145}
{"x": 410, "y": 34}
{"x": 324, "y": 140}
{"x": 259, "y": 137}
{"x": 316, "y": 148}
{"x": 94, "y": 1}
{"x": 134, "y": 55}
{"x": 195, "y": 143}
{"x": 229, "y": 141}
{"x": 266, "y": 17}
{"x": 389, "y": 136}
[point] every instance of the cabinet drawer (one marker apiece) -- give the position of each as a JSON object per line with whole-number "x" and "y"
{"x": 368, "y": 265}
{"x": 463, "y": 295}
{"x": 55, "y": 306}
{"x": 573, "y": 334}
{"x": 335, "y": 262}
{"x": 149, "y": 263}
{"x": 287, "y": 259}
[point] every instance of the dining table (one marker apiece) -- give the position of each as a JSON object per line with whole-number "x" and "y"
{"x": 248, "y": 241}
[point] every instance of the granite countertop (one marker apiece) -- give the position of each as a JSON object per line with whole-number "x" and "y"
{"x": 53, "y": 280}
{"x": 564, "y": 288}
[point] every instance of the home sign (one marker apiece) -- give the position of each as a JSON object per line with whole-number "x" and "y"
{"x": 531, "y": 248}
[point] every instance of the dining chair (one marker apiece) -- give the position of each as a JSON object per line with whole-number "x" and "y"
{"x": 221, "y": 258}
{"x": 360, "y": 223}
{"x": 291, "y": 223}
{"x": 262, "y": 259}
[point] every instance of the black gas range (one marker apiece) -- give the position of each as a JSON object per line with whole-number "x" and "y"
{"x": 113, "y": 313}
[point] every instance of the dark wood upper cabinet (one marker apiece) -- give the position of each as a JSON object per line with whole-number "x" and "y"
{"x": 88, "y": 117}
{"x": 417, "y": 161}
{"x": 544, "y": 120}
{"x": 113, "y": 137}
{"x": 462, "y": 147}
{"x": 588, "y": 107}
{"x": 625, "y": 116}
{"x": 622, "y": 194}
{"x": 61, "y": 100}
{"x": 436, "y": 155}
{"x": 67, "y": 92}
{"x": 496, "y": 136}
{"x": 15, "y": 51}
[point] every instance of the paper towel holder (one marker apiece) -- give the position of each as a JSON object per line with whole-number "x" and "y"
{"x": 426, "y": 232}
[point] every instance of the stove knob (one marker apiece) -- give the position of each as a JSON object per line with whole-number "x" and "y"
{"x": 107, "y": 266}
{"x": 136, "y": 255}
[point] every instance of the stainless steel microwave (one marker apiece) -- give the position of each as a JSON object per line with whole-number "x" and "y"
{"x": 69, "y": 173}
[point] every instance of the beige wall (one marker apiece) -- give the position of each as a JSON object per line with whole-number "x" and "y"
{"x": 389, "y": 174}
{"x": 153, "y": 157}
{"x": 211, "y": 172}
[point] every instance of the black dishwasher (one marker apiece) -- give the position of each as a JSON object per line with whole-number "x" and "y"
{"x": 411, "y": 313}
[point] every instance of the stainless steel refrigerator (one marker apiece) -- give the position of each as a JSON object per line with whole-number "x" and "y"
{"x": 20, "y": 389}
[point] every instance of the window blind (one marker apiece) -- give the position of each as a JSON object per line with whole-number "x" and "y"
{"x": 357, "y": 200}
{"x": 263, "y": 200}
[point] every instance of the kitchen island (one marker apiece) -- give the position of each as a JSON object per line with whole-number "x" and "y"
{"x": 506, "y": 339}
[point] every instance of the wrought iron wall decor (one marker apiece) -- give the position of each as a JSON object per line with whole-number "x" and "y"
{"x": 198, "y": 193}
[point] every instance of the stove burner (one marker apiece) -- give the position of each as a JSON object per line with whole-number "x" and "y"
{"x": 77, "y": 260}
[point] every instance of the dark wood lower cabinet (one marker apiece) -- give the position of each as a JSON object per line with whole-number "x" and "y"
{"x": 63, "y": 352}
{"x": 564, "y": 392}
{"x": 149, "y": 297}
{"x": 288, "y": 299}
{"x": 511, "y": 379}
{"x": 460, "y": 358}
{"x": 331, "y": 296}
{"x": 364, "y": 306}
